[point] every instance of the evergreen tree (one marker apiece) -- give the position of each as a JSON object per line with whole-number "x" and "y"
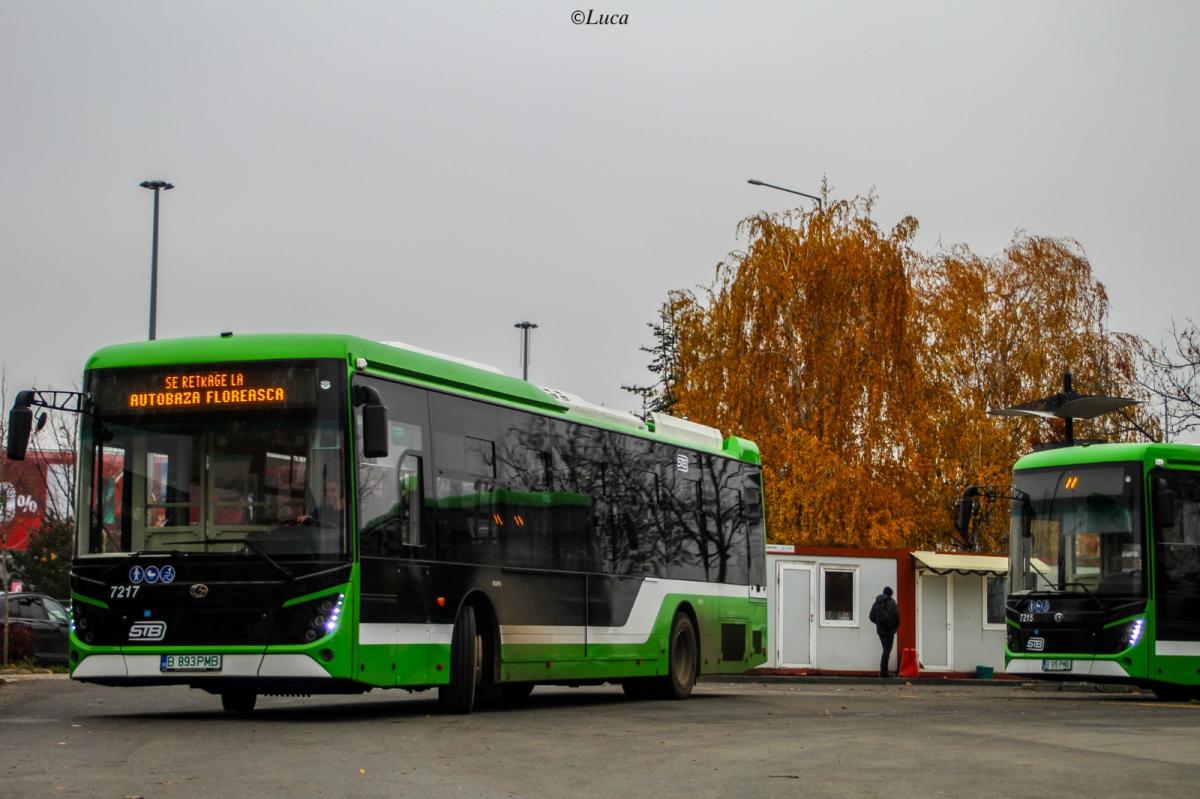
{"x": 659, "y": 396}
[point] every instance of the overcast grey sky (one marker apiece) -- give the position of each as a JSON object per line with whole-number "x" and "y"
{"x": 433, "y": 172}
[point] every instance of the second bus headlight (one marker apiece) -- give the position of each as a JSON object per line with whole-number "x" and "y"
{"x": 310, "y": 621}
{"x": 1133, "y": 632}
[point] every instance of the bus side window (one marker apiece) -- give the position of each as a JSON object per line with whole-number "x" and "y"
{"x": 409, "y": 499}
{"x": 112, "y": 501}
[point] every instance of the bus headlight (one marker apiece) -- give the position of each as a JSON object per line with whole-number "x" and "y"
{"x": 329, "y": 613}
{"x": 1133, "y": 633}
{"x": 310, "y": 621}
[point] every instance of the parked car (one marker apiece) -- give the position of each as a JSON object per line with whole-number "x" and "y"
{"x": 48, "y": 619}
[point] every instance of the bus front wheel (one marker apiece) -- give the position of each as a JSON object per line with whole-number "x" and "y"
{"x": 682, "y": 660}
{"x": 466, "y": 656}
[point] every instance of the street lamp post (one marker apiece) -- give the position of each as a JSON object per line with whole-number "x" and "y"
{"x": 820, "y": 202}
{"x": 156, "y": 186}
{"x": 525, "y": 328}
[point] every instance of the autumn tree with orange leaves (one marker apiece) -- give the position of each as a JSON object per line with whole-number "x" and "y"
{"x": 864, "y": 369}
{"x": 996, "y": 332}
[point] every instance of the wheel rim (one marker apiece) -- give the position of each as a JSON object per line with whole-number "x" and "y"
{"x": 478, "y": 677}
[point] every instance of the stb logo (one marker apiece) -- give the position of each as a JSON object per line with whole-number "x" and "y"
{"x": 681, "y": 463}
{"x": 148, "y": 631}
{"x": 1035, "y": 644}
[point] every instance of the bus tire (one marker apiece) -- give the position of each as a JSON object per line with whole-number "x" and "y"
{"x": 240, "y": 702}
{"x": 465, "y": 663}
{"x": 683, "y": 659}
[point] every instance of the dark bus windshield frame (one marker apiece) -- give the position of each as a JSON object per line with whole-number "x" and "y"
{"x": 215, "y": 458}
{"x": 1078, "y": 529}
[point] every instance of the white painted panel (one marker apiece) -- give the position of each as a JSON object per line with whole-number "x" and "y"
{"x": 1177, "y": 648}
{"x": 391, "y": 633}
{"x": 100, "y": 666}
{"x": 294, "y": 665}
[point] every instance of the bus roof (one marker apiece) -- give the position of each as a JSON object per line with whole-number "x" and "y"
{"x": 420, "y": 367}
{"x": 1147, "y": 452}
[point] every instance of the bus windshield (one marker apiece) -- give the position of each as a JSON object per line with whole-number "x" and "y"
{"x": 216, "y": 458}
{"x": 1079, "y": 529}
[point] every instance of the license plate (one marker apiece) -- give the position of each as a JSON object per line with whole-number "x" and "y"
{"x": 1056, "y": 665}
{"x": 190, "y": 663}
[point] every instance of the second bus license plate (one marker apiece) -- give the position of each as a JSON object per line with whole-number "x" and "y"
{"x": 1056, "y": 665}
{"x": 190, "y": 663}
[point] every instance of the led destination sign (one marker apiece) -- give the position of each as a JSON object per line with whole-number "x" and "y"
{"x": 206, "y": 388}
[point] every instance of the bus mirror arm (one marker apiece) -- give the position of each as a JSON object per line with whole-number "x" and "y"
{"x": 20, "y": 418}
{"x": 969, "y": 501}
{"x": 374, "y": 422}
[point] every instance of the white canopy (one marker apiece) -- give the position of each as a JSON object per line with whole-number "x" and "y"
{"x": 961, "y": 562}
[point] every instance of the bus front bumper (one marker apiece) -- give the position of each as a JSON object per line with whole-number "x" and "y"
{"x": 150, "y": 669}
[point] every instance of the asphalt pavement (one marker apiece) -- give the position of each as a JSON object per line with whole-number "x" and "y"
{"x": 843, "y": 737}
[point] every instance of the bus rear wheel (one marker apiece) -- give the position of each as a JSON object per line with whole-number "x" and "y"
{"x": 682, "y": 660}
{"x": 466, "y": 657}
{"x": 240, "y": 702}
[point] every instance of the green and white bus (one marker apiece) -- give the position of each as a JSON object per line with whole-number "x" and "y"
{"x": 1105, "y": 566}
{"x": 301, "y": 514}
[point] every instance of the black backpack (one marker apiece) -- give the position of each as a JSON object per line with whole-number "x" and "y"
{"x": 885, "y": 613}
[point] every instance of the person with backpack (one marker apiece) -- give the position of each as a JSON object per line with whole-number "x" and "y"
{"x": 886, "y": 616}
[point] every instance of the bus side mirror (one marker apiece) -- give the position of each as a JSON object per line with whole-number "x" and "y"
{"x": 966, "y": 507}
{"x": 374, "y": 422}
{"x": 375, "y": 432}
{"x": 20, "y": 424}
{"x": 1164, "y": 504}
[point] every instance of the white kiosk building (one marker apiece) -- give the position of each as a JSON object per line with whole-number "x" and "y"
{"x": 951, "y": 609}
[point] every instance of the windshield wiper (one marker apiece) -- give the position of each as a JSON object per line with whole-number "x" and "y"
{"x": 1087, "y": 591}
{"x": 1045, "y": 579}
{"x": 175, "y": 553}
{"x": 140, "y": 553}
{"x": 256, "y": 549}
{"x": 1060, "y": 588}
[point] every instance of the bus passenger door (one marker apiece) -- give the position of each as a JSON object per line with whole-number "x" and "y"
{"x": 394, "y": 538}
{"x": 1175, "y": 656}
